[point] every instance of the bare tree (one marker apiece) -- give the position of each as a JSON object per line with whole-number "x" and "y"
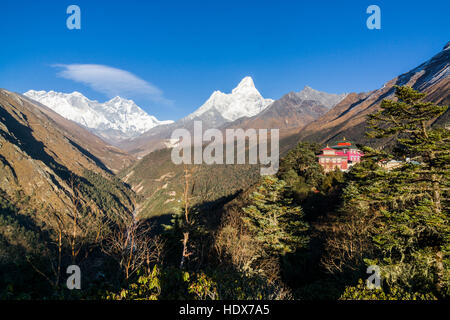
{"x": 348, "y": 239}
{"x": 188, "y": 172}
{"x": 88, "y": 228}
{"x": 132, "y": 246}
{"x": 55, "y": 224}
{"x": 70, "y": 233}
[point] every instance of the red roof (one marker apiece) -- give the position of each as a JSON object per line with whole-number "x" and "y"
{"x": 332, "y": 155}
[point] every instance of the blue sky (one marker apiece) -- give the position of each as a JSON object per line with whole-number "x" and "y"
{"x": 171, "y": 55}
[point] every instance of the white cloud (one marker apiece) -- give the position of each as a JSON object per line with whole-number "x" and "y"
{"x": 112, "y": 81}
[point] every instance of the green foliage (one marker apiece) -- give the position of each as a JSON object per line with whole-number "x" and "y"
{"x": 169, "y": 283}
{"x": 413, "y": 232}
{"x": 275, "y": 219}
{"x": 110, "y": 195}
{"x": 161, "y": 182}
{"x": 395, "y": 218}
{"x": 19, "y": 244}
{"x": 317, "y": 192}
{"x": 313, "y": 231}
{"x": 301, "y": 170}
{"x": 361, "y": 292}
{"x": 145, "y": 288}
{"x": 233, "y": 285}
{"x": 202, "y": 287}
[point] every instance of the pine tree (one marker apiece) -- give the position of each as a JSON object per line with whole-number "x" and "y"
{"x": 409, "y": 118}
{"x": 414, "y": 233}
{"x": 301, "y": 164}
{"x": 275, "y": 219}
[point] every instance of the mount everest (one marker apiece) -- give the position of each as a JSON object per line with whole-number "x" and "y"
{"x": 113, "y": 120}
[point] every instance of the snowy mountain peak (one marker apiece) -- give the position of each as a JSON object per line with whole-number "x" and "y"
{"x": 119, "y": 99}
{"x": 113, "y": 120}
{"x": 245, "y": 84}
{"x": 243, "y": 101}
{"x": 328, "y": 100}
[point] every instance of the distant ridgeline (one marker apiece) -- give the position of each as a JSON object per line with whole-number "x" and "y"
{"x": 342, "y": 155}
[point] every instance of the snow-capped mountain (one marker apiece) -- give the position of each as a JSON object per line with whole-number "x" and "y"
{"x": 220, "y": 109}
{"x": 292, "y": 111}
{"x": 244, "y": 101}
{"x": 113, "y": 120}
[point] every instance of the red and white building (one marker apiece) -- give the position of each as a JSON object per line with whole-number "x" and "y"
{"x": 342, "y": 155}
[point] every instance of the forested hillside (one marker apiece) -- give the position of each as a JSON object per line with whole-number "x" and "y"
{"x": 158, "y": 182}
{"x": 304, "y": 234}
